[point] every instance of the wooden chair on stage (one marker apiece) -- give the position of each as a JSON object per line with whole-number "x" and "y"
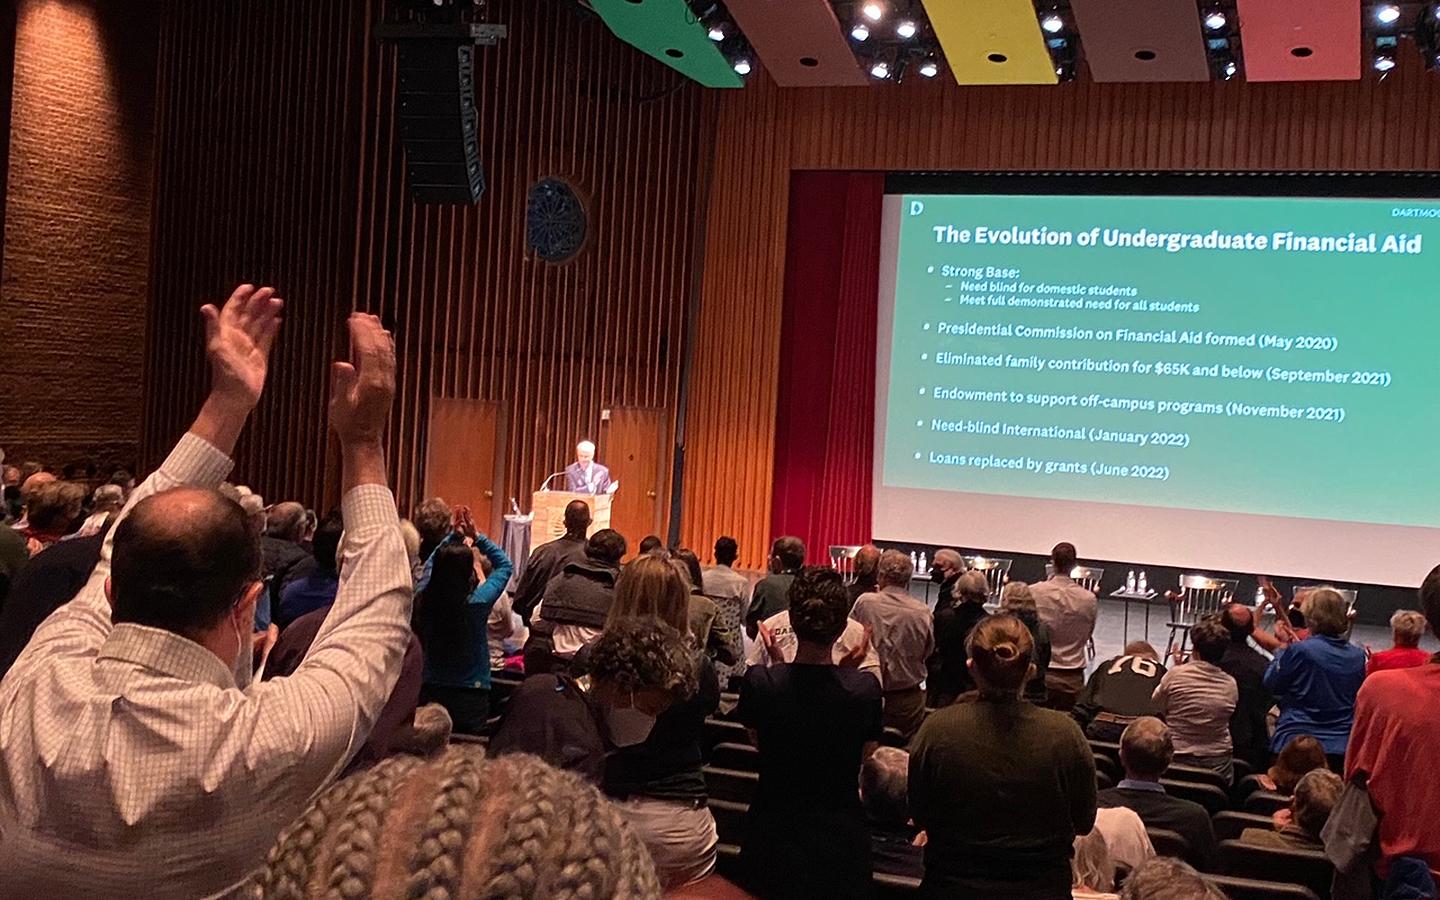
{"x": 842, "y": 560}
{"x": 1200, "y": 596}
{"x": 1347, "y": 593}
{"x": 996, "y": 572}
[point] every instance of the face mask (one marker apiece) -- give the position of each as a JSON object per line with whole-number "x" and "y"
{"x": 242, "y": 669}
{"x": 628, "y": 726}
{"x": 937, "y": 575}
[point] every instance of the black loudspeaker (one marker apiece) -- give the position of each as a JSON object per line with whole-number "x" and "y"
{"x": 435, "y": 106}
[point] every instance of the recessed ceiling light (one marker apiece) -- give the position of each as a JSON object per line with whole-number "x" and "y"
{"x": 1215, "y": 20}
{"x": 717, "y": 33}
{"x": 873, "y": 11}
{"x": 1053, "y": 24}
{"x": 881, "y": 69}
{"x": 742, "y": 66}
{"x": 861, "y": 32}
{"x": 1230, "y": 70}
{"x": 929, "y": 68}
{"x": 1384, "y": 62}
{"x": 1388, "y": 14}
{"x": 906, "y": 29}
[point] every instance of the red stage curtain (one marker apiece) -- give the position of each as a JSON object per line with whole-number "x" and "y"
{"x": 825, "y": 415}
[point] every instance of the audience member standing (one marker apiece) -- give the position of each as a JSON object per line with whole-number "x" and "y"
{"x": 1000, "y": 786}
{"x": 1315, "y": 680}
{"x": 1069, "y": 610}
{"x": 1121, "y": 690}
{"x": 904, "y": 637}
{"x": 1394, "y": 741}
{"x": 813, "y": 723}
{"x": 945, "y": 569}
{"x": 702, "y": 610}
{"x": 731, "y": 592}
{"x": 1197, "y": 699}
{"x": 866, "y": 562}
{"x": 772, "y": 593}
{"x": 1017, "y": 600}
{"x": 1408, "y": 627}
{"x": 550, "y": 559}
{"x": 139, "y": 753}
{"x": 452, "y": 617}
{"x": 317, "y": 588}
{"x": 1146, "y": 752}
{"x": 1249, "y": 729}
{"x": 576, "y": 602}
{"x": 776, "y": 642}
{"x": 281, "y": 548}
{"x": 949, "y": 673}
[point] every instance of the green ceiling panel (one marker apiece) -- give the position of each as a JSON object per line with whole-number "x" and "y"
{"x": 668, "y": 31}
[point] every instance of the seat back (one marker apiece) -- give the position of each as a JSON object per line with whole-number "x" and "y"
{"x": 1201, "y": 595}
{"x": 1207, "y": 795}
{"x": 1198, "y": 775}
{"x": 1229, "y": 823}
{"x": 1304, "y": 867}
{"x": 996, "y": 572}
{"x": 894, "y": 887}
{"x": 1106, "y": 748}
{"x": 1255, "y": 889}
{"x": 731, "y": 784}
{"x": 1265, "y": 803}
{"x": 842, "y": 560}
{"x": 730, "y": 820}
{"x": 718, "y": 731}
{"x": 1087, "y": 577}
{"x": 1170, "y": 843}
{"x": 1103, "y": 782}
{"x": 740, "y": 757}
{"x": 1107, "y": 766}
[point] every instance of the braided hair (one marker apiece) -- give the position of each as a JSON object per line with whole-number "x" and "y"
{"x": 455, "y": 827}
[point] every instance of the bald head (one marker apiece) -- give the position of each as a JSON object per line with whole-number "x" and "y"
{"x": 577, "y": 517}
{"x": 1239, "y": 620}
{"x": 866, "y": 560}
{"x": 287, "y": 521}
{"x": 182, "y": 559}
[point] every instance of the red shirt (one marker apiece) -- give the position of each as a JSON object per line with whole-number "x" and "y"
{"x": 1397, "y": 730}
{"x": 1397, "y": 658}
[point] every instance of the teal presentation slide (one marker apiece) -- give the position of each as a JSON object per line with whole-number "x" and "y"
{"x": 1277, "y": 356}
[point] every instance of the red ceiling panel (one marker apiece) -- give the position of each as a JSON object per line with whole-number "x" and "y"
{"x": 1317, "y": 40}
{"x": 799, "y": 41}
{"x": 1142, "y": 40}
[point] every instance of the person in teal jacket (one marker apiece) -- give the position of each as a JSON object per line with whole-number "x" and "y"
{"x": 452, "y": 606}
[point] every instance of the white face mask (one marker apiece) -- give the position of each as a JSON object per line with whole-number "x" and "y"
{"x": 243, "y": 669}
{"x": 628, "y": 725}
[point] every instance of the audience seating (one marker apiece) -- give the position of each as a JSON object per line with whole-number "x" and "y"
{"x": 1105, "y": 748}
{"x": 1170, "y": 843}
{"x": 718, "y": 731}
{"x": 1255, "y": 889}
{"x": 1108, "y": 767}
{"x": 893, "y": 737}
{"x": 1304, "y": 867}
{"x": 731, "y": 784}
{"x": 1244, "y": 787}
{"x": 1229, "y": 824}
{"x": 1207, "y": 795}
{"x": 1198, "y": 775}
{"x": 1265, "y": 802}
{"x": 895, "y": 887}
{"x": 1242, "y": 768}
{"x": 730, "y": 820}
{"x": 1103, "y": 782}
{"x": 741, "y": 757}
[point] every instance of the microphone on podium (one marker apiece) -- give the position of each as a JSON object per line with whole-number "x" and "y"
{"x": 545, "y": 485}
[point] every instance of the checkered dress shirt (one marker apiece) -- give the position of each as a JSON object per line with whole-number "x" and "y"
{"x": 132, "y": 766}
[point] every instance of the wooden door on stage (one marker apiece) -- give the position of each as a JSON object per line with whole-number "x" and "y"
{"x": 460, "y": 458}
{"x": 635, "y": 452}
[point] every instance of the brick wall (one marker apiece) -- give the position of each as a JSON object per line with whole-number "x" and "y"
{"x": 74, "y": 281}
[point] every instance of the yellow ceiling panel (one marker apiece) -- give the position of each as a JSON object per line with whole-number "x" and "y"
{"x": 992, "y": 41}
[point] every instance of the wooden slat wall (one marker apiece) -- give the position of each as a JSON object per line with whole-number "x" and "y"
{"x": 307, "y": 131}
{"x": 763, "y": 133}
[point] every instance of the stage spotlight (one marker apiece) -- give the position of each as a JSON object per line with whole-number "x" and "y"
{"x": 873, "y": 11}
{"x": 861, "y": 32}
{"x": 906, "y": 29}
{"x": 1228, "y": 70}
{"x": 742, "y": 66}
{"x": 717, "y": 32}
{"x": 929, "y": 68}
{"x": 881, "y": 69}
{"x": 1384, "y": 60}
{"x": 1215, "y": 20}
{"x": 1053, "y": 24}
{"x": 1388, "y": 14}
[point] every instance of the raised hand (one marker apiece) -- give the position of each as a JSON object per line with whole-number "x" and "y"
{"x": 238, "y": 337}
{"x": 362, "y": 390}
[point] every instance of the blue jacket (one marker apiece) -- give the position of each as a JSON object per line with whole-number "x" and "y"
{"x": 1315, "y": 682}
{"x": 475, "y": 672}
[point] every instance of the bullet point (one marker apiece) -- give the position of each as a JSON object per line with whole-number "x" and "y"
{"x": 948, "y": 299}
{"x": 924, "y": 356}
{"x": 922, "y": 392}
{"x": 930, "y": 270}
{"x": 927, "y": 326}
{"x": 917, "y": 456}
{"x": 919, "y": 423}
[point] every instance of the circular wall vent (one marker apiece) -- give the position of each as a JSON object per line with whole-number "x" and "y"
{"x": 555, "y": 223}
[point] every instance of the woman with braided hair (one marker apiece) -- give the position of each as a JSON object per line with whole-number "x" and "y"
{"x": 455, "y": 827}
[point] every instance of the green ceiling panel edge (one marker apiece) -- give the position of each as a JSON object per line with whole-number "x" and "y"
{"x": 663, "y": 28}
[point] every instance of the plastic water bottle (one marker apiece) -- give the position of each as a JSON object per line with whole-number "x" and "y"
{"x": 914, "y": 560}
{"x": 1130, "y": 582}
{"x": 1144, "y": 588}
{"x": 1259, "y": 597}
{"x": 924, "y": 563}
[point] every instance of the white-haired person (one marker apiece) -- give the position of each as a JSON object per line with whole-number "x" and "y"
{"x": 1407, "y": 627}
{"x": 1092, "y": 871}
{"x": 903, "y": 635}
{"x": 585, "y": 475}
{"x": 1315, "y": 680}
{"x": 108, "y": 500}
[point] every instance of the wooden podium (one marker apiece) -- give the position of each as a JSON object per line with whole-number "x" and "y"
{"x": 548, "y": 508}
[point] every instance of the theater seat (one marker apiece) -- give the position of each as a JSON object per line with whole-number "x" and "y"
{"x": 1105, "y": 748}
{"x": 1109, "y": 767}
{"x": 891, "y": 736}
{"x": 1306, "y": 867}
{"x": 719, "y": 731}
{"x": 1255, "y": 889}
{"x": 1244, "y": 787}
{"x": 1229, "y": 824}
{"x": 727, "y": 862}
{"x": 1170, "y": 843}
{"x": 731, "y": 784}
{"x": 1207, "y": 795}
{"x": 1198, "y": 775}
{"x": 1103, "y": 782}
{"x": 730, "y": 755}
{"x": 1265, "y": 803}
{"x": 895, "y": 887}
{"x": 730, "y": 820}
